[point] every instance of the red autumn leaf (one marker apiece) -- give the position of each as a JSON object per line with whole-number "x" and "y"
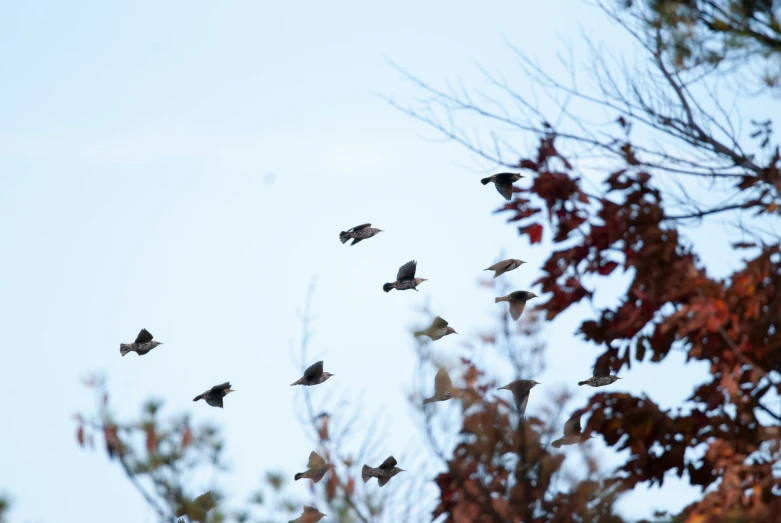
{"x": 607, "y": 268}
{"x": 350, "y": 487}
{"x": 640, "y": 348}
{"x": 80, "y": 436}
{"x": 528, "y": 164}
{"x": 713, "y": 323}
{"x": 534, "y": 231}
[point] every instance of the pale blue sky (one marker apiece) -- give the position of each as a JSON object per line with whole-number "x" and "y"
{"x": 135, "y": 140}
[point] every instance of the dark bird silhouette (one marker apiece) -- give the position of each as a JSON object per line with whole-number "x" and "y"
{"x": 358, "y": 233}
{"x": 520, "y": 390}
{"x": 438, "y": 329}
{"x": 316, "y": 468}
{"x": 601, "y": 375}
{"x": 517, "y": 301}
{"x": 141, "y": 346}
{"x": 314, "y": 375}
{"x": 383, "y": 473}
{"x": 309, "y": 515}
{"x": 504, "y": 266}
{"x": 405, "y": 279}
{"x": 503, "y": 182}
{"x": 573, "y": 434}
{"x": 443, "y": 388}
{"x": 214, "y": 395}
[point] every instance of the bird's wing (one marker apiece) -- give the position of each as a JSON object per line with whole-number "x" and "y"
{"x": 407, "y": 271}
{"x": 222, "y": 387}
{"x": 504, "y": 188}
{"x": 388, "y": 463}
{"x": 572, "y": 426}
{"x": 382, "y": 480}
{"x": 359, "y": 227}
{"x": 442, "y": 381}
{"x": 602, "y": 367}
{"x": 516, "y": 308}
{"x": 144, "y": 336}
{"x": 522, "y": 406}
{"x": 314, "y": 371}
{"x": 499, "y": 265}
{"x": 214, "y": 401}
{"x": 438, "y": 323}
{"x": 315, "y": 460}
{"x": 310, "y": 510}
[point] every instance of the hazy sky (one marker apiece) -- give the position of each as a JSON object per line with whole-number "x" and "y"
{"x": 186, "y": 167}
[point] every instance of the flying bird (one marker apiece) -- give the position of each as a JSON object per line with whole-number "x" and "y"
{"x": 520, "y": 390}
{"x": 443, "y": 388}
{"x": 214, "y": 395}
{"x": 601, "y": 375}
{"x": 517, "y": 301}
{"x": 438, "y": 329}
{"x": 503, "y": 182}
{"x": 504, "y": 266}
{"x": 383, "y": 473}
{"x": 316, "y": 468}
{"x": 314, "y": 375}
{"x": 358, "y": 233}
{"x": 309, "y": 515}
{"x": 141, "y": 346}
{"x": 573, "y": 434}
{"x": 405, "y": 279}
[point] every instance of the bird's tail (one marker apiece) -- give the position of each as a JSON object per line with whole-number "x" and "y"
{"x": 417, "y": 334}
{"x": 557, "y": 443}
{"x": 300, "y": 381}
{"x": 298, "y": 476}
{"x": 486, "y": 181}
{"x": 343, "y": 237}
{"x": 503, "y": 298}
{"x": 366, "y": 473}
{"x": 387, "y": 287}
{"x": 198, "y": 397}
{"x": 581, "y": 383}
{"x": 428, "y": 400}
{"x": 125, "y": 348}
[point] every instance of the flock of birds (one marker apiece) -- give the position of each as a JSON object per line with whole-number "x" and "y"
{"x": 444, "y": 390}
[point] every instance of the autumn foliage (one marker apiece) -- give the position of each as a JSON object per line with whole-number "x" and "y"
{"x": 670, "y": 303}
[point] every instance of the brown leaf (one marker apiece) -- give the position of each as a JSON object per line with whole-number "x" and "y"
{"x": 151, "y": 439}
{"x": 187, "y": 438}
